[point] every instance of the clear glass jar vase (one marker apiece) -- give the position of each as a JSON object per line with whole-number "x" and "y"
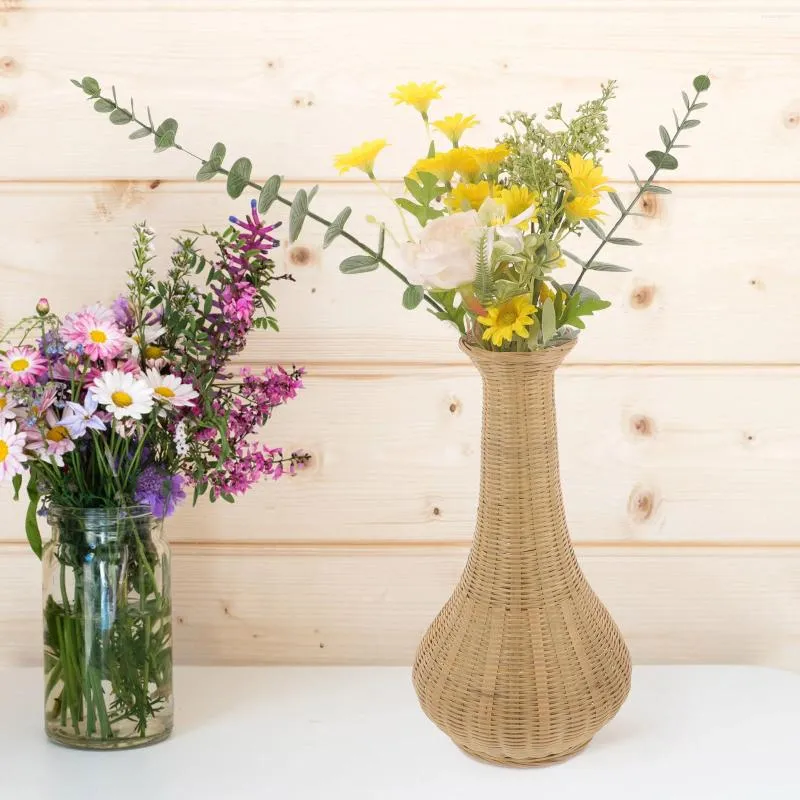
{"x": 107, "y": 628}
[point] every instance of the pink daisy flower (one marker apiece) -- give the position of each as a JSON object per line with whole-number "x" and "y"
{"x": 22, "y": 365}
{"x": 94, "y": 331}
{"x": 52, "y": 443}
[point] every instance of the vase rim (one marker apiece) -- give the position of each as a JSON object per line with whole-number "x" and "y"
{"x": 131, "y": 511}
{"x": 554, "y": 355}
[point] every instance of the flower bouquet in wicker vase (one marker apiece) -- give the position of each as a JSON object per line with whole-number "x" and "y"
{"x": 113, "y": 413}
{"x": 524, "y": 664}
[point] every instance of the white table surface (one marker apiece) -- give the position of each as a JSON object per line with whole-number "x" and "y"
{"x": 686, "y": 733}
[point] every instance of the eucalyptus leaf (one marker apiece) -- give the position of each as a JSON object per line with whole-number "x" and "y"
{"x": 355, "y": 265}
{"x": 662, "y": 160}
{"x": 119, "y": 116}
{"x": 336, "y": 228}
{"x": 617, "y": 202}
{"x": 269, "y": 193}
{"x": 686, "y": 100}
{"x": 311, "y": 192}
{"x": 622, "y": 240}
{"x": 165, "y": 134}
{"x": 699, "y": 105}
{"x": 297, "y": 214}
{"x": 239, "y": 176}
{"x": 665, "y": 137}
{"x": 691, "y": 123}
{"x": 90, "y": 86}
{"x": 635, "y": 176}
{"x": 573, "y": 257}
{"x": 654, "y": 189}
{"x": 140, "y": 134}
{"x": 603, "y": 266}
{"x": 381, "y": 240}
{"x": 218, "y": 152}
{"x": 412, "y": 297}
{"x": 104, "y": 106}
{"x": 207, "y": 171}
{"x": 595, "y": 228}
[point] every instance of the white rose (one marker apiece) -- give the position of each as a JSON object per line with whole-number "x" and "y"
{"x": 444, "y": 257}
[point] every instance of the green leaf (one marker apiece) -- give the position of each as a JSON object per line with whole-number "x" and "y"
{"x": 269, "y": 193}
{"x": 119, "y": 116}
{"x": 311, "y": 192}
{"x": 218, "y": 152}
{"x": 665, "y": 137}
{"x": 658, "y": 189}
{"x": 617, "y": 202}
{"x": 336, "y": 228}
{"x": 699, "y": 105}
{"x": 686, "y": 100}
{"x": 381, "y": 240}
{"x": 422, "y": 213}
{"x": 677, "y": 121}
{"x": 624, "y": 241}
{"x": 595, "y": 228}
{"x": 90, "y": 86}
{"x": 358, "y": 264}
{"x": 16, "y": 481}
{"x": 701, "y": 83}
{"x": 104, "y": 106}
{"x": 207, "y": 171}
{"x": 416, "y": 190}
{"x": 165, "y": 134}
{"x": 239, "y": 177}
{"x": 140, "y": 134}
{"x": 548, "y": 320}
{"x": 602, "y": 266}
{"x": 412, "y": 297}
{"x": 297, "y": 214}
{"x": 574, "y": 258}
{"x": 483, "y": 276}
{"x": 31, "y": 520}
{"x": 662, "y": 160}
{"x": 691, "y": 123}
{"x": 635, "y": 176}
{"x": 76, "y": 83}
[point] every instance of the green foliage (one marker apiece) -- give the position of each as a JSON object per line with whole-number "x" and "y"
{"x": 239, "y": 177}
{"x": 336, "y": 228}
{"x": 165, "y": 134}
{"x": 662, "y": 160}
{"x": 297, "y": 214}
{"x": 355, "y": 265}
{"x": 701, "y": 83}
{"x": 548, "y": 320}
{"x": 450, "y": 312}
{"x": 269, "y": 193}
{"x": 425, "y": 191}
{"x": 31, "y": 520}
{"x": 412, "y": 296}
{"x": 483, "y": 276}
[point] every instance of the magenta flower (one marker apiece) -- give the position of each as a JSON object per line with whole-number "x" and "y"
{"x": 95, "y": 330}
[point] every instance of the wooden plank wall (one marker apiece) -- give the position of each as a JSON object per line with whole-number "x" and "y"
{"x": 678, "y": 410}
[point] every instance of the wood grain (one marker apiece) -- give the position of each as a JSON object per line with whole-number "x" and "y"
{"x": 265, "y": 81}
{"x": 370, "y": 606}
{"x": 648, "y": 455}
{"x": 712, "y": 283}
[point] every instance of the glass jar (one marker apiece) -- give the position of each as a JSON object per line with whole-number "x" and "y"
{"x": 107, "y": 628}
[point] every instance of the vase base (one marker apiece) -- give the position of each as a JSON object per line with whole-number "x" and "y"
{"x": 557, "y": 758}
{"x": 128, "y": 743}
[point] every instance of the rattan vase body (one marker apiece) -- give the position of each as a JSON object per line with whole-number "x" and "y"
{"x": 524, "y": 664}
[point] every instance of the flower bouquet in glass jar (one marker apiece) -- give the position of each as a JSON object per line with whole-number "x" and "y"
{"x": 114, "y": 414}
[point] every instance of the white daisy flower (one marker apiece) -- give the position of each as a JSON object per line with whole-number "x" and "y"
{"x": 123, "y": 395}
{"x": 151, "y": 334}
{"x": 10, "y": 407}
{"x": 11, "y": 455}
{"x": 170, "y": 389}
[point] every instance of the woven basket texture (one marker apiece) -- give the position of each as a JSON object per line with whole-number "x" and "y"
{"x": 524, "y": 664}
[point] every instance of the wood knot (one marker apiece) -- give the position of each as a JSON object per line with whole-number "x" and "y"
{"x": 757, "y": 283}
{"x": 455, "y": 406}
{"x": 155, "y": 184}
{"x": 272, "y": 63}
{"x": 303, "y": 101}
{"x": 791, "y": 119}
{"x": 8, "y": 66}
{"x": 749, "y": 438}
{"x": 642, "y": 425}
{"x": 651, "y": 205}
{"x": 300, "y": 255}
{"x": 642, "y": 296}
{"x": 641, "y": 504}
{"x": 436, "y": 511}
{"x": 5, "y": 107}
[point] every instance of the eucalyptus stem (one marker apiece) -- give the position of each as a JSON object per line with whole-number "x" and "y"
{"x": 643, "y": 188}
{"x": 149, "y": 127}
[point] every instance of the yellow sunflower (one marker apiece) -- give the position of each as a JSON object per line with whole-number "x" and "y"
{"x": 417, "y": 95}
{"x": 503, "y": 321}
{"x": 453, "y": 127}
{"x": 465, "y": 196}
{"x": 585, "y": 176}
{"x": 361, "y": 157}
{"x": 516, "y": 200}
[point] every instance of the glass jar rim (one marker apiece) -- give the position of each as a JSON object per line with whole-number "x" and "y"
{"x": 135, "y": 511}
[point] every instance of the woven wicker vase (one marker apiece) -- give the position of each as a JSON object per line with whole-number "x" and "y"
{"x": 524, "y": 664}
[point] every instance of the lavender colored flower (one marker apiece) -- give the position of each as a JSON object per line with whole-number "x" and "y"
{"x": 51, "y": 345}
{"x": 79, "y": 418}
{"x": 160, "y": 491}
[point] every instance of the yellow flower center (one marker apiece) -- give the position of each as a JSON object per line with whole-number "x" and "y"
{"x": 507, "y": 318}
{"x": 122, "y": 399}
{"x": 57, "y": 434}
{"x": 3, "y": 451}
{"x": 3, "y": 403}
{"x": 153, "y": 351}
{"x": 20, "y": 364}
{"x": 97, "y": 336}
{"x": 164, "y": 391}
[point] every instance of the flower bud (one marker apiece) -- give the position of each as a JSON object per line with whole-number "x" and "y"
{"x": 43, "y": 307}
{"x": 72, "y": 359}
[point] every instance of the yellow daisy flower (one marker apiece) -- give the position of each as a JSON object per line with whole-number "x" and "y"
{"x": 453, "y": 127}
{"x": 490, "y": 158}
{"x": 418, "y": 95}
{"x": 442, "y": 165}
{"x": 585, "y": 176}
{"x": 465, "y": 196}
{"x": 465, "y": 163}
{"x": 361, "y": 157}
{"x": 516, "y": 200}
{"x": 503, "y": 321}
{"x": 582, "y": 206}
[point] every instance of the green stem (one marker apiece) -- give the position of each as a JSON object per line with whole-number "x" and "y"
{"x": 284, "y": 201}
{"x": 642, "y": 190}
